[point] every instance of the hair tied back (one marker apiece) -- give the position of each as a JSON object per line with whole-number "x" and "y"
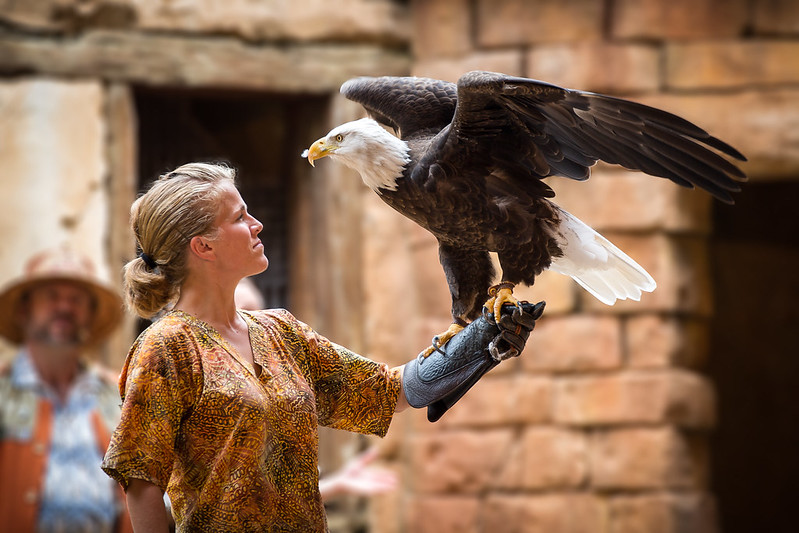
{"x": 148, "y": 261}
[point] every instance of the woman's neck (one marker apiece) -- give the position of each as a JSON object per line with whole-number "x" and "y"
{"x": 211, "y": 301}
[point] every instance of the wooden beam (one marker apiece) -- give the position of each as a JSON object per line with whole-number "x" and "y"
{"x": 219, "y": 62}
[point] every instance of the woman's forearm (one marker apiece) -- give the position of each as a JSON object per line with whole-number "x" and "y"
{"x": 146, "y": 507}
{"x": 402, "y": 401}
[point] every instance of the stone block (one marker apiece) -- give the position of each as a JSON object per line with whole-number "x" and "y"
{"x": 548, "y": 458}
{"x": 52, "y": 156}
{"x": 670, "y": 396}
{"x": 776, "y": 17}
{"x": 731, "y": 64}
{"x": 678, "y": 19}
{"x": 462, "y": 462}
{"x": 680, "y": 267}
{"x": 664, "y": 341}
{"x": 498, "y": 400}
{"x": 441, "y": 28}
{"x": 545, "y": 513}
{"x": 574, "y": 343}
{"x": 417, "y": 420}
{"x": 646, "y": 459}
{"x": 69, "y": 15}
{"x": 451, "y": 68}
{"x": 444, "y": 514}
{"x": 763, "y": 125}
{"x": 620, "y": 200}
{"x": 518, "y": 22}
{"x": 613, "y": 68}
{"x": 36, "y": 15}
{"x": 663, "y": 512}
{"x": 386, "y": 511}
{"x": 273, "y": 20}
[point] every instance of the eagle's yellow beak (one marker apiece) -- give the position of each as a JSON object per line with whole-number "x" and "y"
{"x": 318, "y": 150}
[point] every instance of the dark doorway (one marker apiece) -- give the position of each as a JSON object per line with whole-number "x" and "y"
{"x": 754, "y": 359}
{"x": 261, "y": 135}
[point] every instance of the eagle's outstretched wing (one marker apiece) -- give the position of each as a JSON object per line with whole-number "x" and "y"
{"x": 410, "y": 105}
{"x": 557, "y": 131}
{"x": 519, "y": 128}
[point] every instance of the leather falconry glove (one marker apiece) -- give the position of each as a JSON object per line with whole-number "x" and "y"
{"x": 441, "y": 379}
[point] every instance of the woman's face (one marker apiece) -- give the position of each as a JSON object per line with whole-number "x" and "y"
{"x": 238, "y": 247}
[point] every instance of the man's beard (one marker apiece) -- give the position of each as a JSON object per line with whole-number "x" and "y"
{"x": 53, "y": 335}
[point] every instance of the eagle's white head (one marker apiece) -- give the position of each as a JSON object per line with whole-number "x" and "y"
{"x": 365, "y": 146}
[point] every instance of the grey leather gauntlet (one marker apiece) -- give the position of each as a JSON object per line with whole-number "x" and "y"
{"x": 441, "y": 379}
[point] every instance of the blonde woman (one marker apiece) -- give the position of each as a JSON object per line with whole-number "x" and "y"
{"x": 220, "y": 405}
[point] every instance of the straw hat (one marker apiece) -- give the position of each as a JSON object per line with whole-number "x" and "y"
{"x": 60, "y": 264}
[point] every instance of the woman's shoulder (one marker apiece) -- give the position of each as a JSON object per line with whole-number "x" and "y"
{"x": 170, "y": 335}
{"x": 279, "y": 319}
{"x": 276, "y": 315}
{"x": 170, "y": 325}
{"x": 169, "y": 346}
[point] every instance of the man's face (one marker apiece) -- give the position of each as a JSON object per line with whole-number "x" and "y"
{"x": 58, "y": 314}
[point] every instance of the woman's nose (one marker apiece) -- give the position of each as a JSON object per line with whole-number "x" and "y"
{"x": 257, "y": 226}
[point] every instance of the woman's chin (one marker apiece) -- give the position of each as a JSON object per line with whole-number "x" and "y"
{"x": 263, "y": 265}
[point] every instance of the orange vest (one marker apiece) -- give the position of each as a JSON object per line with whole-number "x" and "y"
{"x": 22, "y": 470}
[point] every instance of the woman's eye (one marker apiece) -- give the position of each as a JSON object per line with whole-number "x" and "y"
{"x": 339, "y": 138}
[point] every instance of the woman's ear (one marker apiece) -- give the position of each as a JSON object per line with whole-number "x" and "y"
{"x": 202, "y": 248}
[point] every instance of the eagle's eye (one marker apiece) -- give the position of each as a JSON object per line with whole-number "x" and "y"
{"x": 339, "y": 138}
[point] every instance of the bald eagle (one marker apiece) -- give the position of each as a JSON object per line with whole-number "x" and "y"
{"x": 469, "y": 162}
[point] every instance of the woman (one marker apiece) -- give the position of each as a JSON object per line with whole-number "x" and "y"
{"x": 221, "y": 406}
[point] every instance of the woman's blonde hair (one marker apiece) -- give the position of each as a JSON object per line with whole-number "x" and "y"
{"x": 179, "y": 205}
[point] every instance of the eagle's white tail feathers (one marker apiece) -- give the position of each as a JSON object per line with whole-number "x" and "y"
{"x": 597, "y": 265}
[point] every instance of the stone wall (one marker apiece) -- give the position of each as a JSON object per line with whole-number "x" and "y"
{"x": 603, "y": 424}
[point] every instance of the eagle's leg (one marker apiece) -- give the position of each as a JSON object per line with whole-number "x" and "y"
{"x": 469, "y": 273}
{"x": 442, "y": 338}
{"x": 499, "y": 295}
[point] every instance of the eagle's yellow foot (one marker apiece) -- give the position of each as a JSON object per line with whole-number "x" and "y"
{"x": 499, "y": 295}
{"x": 442, "y": 338}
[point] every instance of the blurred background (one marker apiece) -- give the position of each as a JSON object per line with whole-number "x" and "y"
{"x": 673, "y": 414}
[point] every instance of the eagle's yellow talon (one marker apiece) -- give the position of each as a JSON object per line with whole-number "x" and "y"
{"x": 428, "y": 351}
{"x": 441, "y": 339}
{"x": 500, "y": 295}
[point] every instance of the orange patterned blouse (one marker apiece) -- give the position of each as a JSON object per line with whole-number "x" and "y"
{"x": 236, "y": 451}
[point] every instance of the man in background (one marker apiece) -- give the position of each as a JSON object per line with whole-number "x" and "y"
{"x": 57, "y": 407}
